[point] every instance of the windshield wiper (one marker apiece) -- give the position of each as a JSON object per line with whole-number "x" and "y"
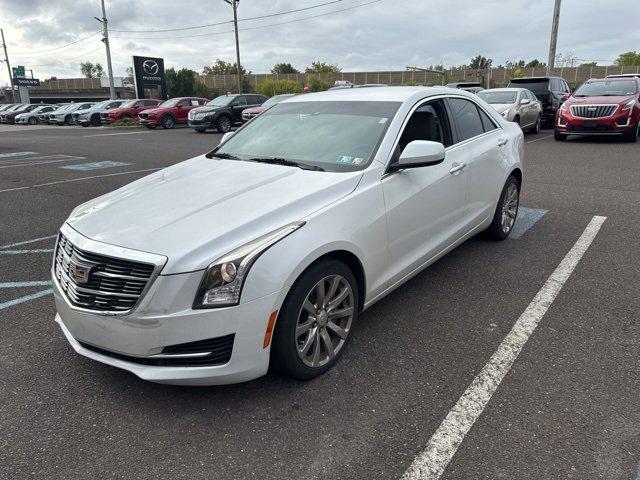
{"x": 287, "y": 163}
{"x": 224, "y": 156}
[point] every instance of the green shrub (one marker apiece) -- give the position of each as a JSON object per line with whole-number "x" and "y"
{"x": 271, "y": 87}
{"x": 316, "y": 84}
{"x": 125, "y": 122}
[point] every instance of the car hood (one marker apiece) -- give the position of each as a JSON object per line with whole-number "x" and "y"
{"x": 196, "y": 211}
{"x": 599, "y": 100}
{"x": 254, "y": 110}
{"x": 206, "y": 109}
{"x": 154, "y": 110}
{"x": 501, "y": 107}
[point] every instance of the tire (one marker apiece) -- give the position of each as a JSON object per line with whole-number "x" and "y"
{"x": 95, "y": 121}
{"x": 559, "y": 137}
{"x": 632, "y": 136}
{"x": 516, "y": 119}
{"x": 167, "y": 122}
{"x": 32, "y": 121}
{"x": 302, "y": 353}
{"x": 151, "y": 127}
{"x": 223, "y": 124}
{"x": 536, "y": 126}
{"x": 67, "y": 120}
{"x": 505, "y": 218}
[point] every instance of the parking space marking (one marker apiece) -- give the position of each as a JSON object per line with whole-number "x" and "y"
{"x": 43, "y": 160}
{"x": 26, "y": 242}
{"x": 15, "y": 189}
{"x": 442, "y": 446}
{"x": 26, "y": 298}
{"x": 22, "y": 252}
{"x": 95, "y": 165}
{"x": 527, "y": 218}
{"x": 110, "y": 134}
{"x": 16, "y": 154}
{"x": 37, "y": 283}
{"x": 538, "y": 139}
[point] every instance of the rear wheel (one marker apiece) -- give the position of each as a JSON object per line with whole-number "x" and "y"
{"x": 223, "y": 124}
{"x": 32, "y": 120}
{"x": 95, "y": 120}
{"x": 536, "y": 126}
{"x": 559, "y": 137}
{"x": 167, "y": 121}
{"x": 506, "y": 212}
{"x": 67, "y": 120}
{"x": 315, "y": 321}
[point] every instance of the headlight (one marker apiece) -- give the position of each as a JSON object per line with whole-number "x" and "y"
{"x": 629, "y": 106}
{"x": 199, "y": 116}
{"x": 564, "y": 108}
{"x": 222, "y": 282}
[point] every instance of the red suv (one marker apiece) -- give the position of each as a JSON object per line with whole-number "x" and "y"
{"x": 169, "y": 113}
{"x": 129, "y": 109}
{"x": 608, "y": 106}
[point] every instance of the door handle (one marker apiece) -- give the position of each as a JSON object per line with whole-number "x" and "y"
{"x": 457, "y": 167}
{"x": 502, "y": 142}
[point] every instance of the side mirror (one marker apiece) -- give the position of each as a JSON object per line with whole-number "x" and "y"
{"x": 525, "y": 101}
{"x": 178, "y": 106}
{"x": 420, "y": 153}
{"x": 566, "y": 96}
{"x": 226, "y": 137}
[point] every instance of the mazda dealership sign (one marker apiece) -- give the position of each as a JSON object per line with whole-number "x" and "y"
{"x": 148, "y": 75}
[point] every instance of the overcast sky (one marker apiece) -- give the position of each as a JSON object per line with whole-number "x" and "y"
{"x": 385, "y": 35}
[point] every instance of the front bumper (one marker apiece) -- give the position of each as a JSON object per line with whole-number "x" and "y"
{"x": 204, "y": 123}
{"x": 149, "y": 121}
{"x": 165, "y": 317}
{"x": 619, "y": 123}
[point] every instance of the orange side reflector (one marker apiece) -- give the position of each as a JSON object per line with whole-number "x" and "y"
{"x": 269, "y": 332}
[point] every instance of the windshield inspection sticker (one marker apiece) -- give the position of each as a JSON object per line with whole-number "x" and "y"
{"x": 345, "y": 159}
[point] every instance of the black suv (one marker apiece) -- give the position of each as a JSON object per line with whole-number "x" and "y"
{"x": 551, "y": 91}
{"x": 223, "y": 112}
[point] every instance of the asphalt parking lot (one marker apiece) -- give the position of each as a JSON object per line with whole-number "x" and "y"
{"x": 566, "y": 409}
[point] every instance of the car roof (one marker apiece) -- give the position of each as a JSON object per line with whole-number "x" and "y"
{"x": 381, "y": 94}
{"x": 505, "y": 89}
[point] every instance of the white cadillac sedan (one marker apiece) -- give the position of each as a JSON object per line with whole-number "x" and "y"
{"x": 267, "y": 249}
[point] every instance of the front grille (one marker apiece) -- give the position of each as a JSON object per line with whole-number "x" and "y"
{"x": 220, "y": 349}
{"x": 143, "y": 115}
{"x": 592, "y": 111}
{"x": 97, "y": 282}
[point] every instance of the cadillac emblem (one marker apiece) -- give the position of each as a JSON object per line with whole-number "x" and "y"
{"x": 79, "y": 272}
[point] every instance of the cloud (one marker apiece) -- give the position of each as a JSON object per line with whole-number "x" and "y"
{"x": 387, "y": 35}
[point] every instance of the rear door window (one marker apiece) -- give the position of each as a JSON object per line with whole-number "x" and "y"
{"x": 466, "y": 118}
{"x": 487, "y": 123}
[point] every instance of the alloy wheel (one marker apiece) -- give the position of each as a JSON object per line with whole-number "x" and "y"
{"x": 510, "y": 208}
{"x": 324, "y": 321}
{"x": 167, "y": 121}
{"x": 224, "y": 124}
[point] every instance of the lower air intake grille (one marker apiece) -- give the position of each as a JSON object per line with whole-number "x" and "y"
{"x": 219, "y": 351}
{"x": 96, "y": 282}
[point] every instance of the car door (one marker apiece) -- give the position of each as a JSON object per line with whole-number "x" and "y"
{"x": 238, "y": 105}
{"x": 482, "y": 144}
{"x": 425, "y": 206}
{"x": 182, "y": 109}
{"x": 528, "y": 109}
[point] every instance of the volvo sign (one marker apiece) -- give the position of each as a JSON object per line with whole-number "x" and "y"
{"x": 148, "y": 76}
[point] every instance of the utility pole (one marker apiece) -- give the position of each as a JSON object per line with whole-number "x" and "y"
{"x": 234, "y": 5}
{"x": 6, "y": 59}
{"x": 554, "y": 36}
{"x": 105, "y": 39}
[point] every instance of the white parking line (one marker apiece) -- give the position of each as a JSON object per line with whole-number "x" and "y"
{"x": 44, "y": 160}
{"x": 442, "y": 446}
{"x": 25, "y": 242}
{"x": 538, "y": 139}
{"x": 110, "y": 134}
{"x": 15, "y": 189}
{"x": 16, "y": 154}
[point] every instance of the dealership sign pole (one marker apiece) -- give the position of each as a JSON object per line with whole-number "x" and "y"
{"x": 148, "y": 72}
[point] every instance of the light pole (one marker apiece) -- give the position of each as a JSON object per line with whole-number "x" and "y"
{"x": 6, "y": 60}
{"x": 105, "y": 39}
{"x": 234, "y": 5}
{"x": 554, "y": 36}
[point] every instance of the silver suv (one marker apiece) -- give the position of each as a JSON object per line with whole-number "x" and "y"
{"x": 91, "y": 115}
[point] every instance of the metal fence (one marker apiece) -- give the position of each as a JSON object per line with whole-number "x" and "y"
{"x": 494, "y": 76}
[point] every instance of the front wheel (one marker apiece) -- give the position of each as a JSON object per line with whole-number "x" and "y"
{"x": 223, "y": 124}
{"x": 167, "y": 122}
{"x": 536, "y": 126}
{"x": 559, "y": 137}
{"x": 315, "y": 321}
{"x": 32, "y": 120}
{"x": 67, "y": 120}
{"x": 506, "y": 212}
{"x": 633, "y": 135}
{"x": 95, "y": 121}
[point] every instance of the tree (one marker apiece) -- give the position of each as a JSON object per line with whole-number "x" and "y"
{"x": 284, "y": 68}
{"x": 628, "y": 58}
{"x": 129, "y": 71}
{"x": 322, "y": 67}
{"x": 180, "y": 83}
{"x": 535, "y": 63}
{"x": 567, "y": 59}
{"x": 589, "y": 64}
{"x": 518, "y": 64}
{"x": 480, "y": 62}
{"x": 220, "y": 67}
{"x": 91, "y": 70}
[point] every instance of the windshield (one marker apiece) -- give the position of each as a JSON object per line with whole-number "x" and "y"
{"x": 336, "y": 136}
{"x": 170, "y": 103}
{"x": 275, "y": 100}
{"x": 221, "y": 101}
{"x": 128, "y": 104}
{"x": 616, "y": 88}
{"x": 498, "y": 97}
{"x": 539, "y": 87}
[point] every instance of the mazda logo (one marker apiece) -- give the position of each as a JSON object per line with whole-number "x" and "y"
{"x": 150, "y": 67}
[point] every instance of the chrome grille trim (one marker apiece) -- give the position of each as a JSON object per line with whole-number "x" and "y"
{"x": 593, "y": 111}
{"x": 118, "y": 278}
